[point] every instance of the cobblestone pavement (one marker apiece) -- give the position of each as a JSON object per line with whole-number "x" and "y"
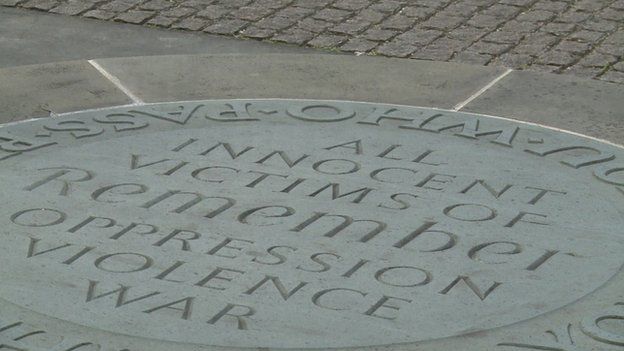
{"x": 580, "y": 37}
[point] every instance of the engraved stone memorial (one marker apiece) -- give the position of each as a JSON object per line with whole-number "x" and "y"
{"x": 287, "y": 224}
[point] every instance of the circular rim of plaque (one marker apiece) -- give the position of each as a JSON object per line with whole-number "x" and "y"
{"x": 303, "y": 224}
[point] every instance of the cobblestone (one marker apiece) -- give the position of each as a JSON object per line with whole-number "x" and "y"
{"x": 134, "y": 16}
{"x": 297, "y": 36}
{"x": 100, "y": 14}
{"x": 189, "y": 23}
{"x": 359, "y": 45}
{"x": 73, "y": 8}
{"x": 396, "y": 49}
{"x": 157, "y": 5}
{"x": 614, "y": 76}
{"x": 161, "y": 21}
{"x": 577, "y": 37}
{"x": 41, "y": 4}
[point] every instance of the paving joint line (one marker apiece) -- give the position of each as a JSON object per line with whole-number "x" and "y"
{"x": 117, "y": 82}
{"x": 481, "y": 91}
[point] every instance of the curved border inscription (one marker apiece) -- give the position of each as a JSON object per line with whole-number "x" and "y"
{"x": 606, "y": 166}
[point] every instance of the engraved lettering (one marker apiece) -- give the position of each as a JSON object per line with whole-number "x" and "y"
{"x": 520, "y": 218}
{"x": 284, "y": 157}
{"x": 401, "y": 204}
{"x": 39, "y": 217}
{"x": 541, "y": 260}
{"x": 355, "y": 145}
{"x": 184, "y": 236}
{"x": 227, "y": 147}
{"x": 225, "y": 244}
{"x": 361, "y": 263}
{"x": 426, "y": 279}
{"x": 436, "y": 179}
{"x": 135, "y": 164}
{"x": 425, "y": 228}
{"x": 495, "y": 193}
{"x": 196, "y": 198}
{"x": 277, "y": 283}
{"x": 122, "y": 121}
{"x": 186, "y": 309}
{"x": 272, "y": 251}
{"x": 379, "y": 114}
{"x": 32, "y": 248}
{"x": 593, "y": 327}
{"x": 335, "y": 192}
{"x": 293, "y": 185}
{"x": 16, "y": 145}
{"x": 80, "y": 254}
{"x": 181, "y": 115}
{"x": 234, "y": 234}
{"x": 239, "y": 314}
{"x": 237, "y": 112}
{"x": 184, "y": 144}
{"x": 562, "y": 341}
{"x": 286, "y": 212}
{"x": 607, "y": 175}
{"x": 324, "y": 266}
{"x": 199, "y": 173}
{"x": 541, "y": 193}
{"x": 74, "y": 175}
{"x": 112, "y": 190}
{"x": 316, "y": 298}
{"x": 376, "y": 174}
{"x": 216, "y": 275}
{"x": 475, "y": 289}
{"x": 383, "y": 303}
{"x": 151, "y": 229}
{"x": 504, "y": 136}
{"x": 306, "y": 113}
{"x": 470, "y": 212}
{"x": 263, "y": 176}
{"x": 422, "y": 157}
{"x": 386, "y": 152}
{"x": 106, "y": 223}
{"x": 475, "y": 252}
{"x": 168, "y": 271}
{"x": 575, "y": 161}
{"x": 120, "y": 293}
{"x": 347, "y": 221}
{"x": 77, "y": 129}
{"x": 334, "y": 167}
{"x": 144, "y": 262}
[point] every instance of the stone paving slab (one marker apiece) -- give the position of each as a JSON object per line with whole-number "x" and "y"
{"x": 578, "y": 37}
{"x": 34, "y": 37}
{"x": 41, "y": 90}
{"x": 584, "y": 106}
{"x": 423, "y": 83}
{"x": 581, "y": 105}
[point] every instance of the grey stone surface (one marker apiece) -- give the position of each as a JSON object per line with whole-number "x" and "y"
{"x": 580, "y": 105}
{"x": 171, "y": 78}
{"x": 493, "y": 30}
{"x": 268, "y": 224}
{"x": 39, "y": 90}
{"x": 32, "y": 37}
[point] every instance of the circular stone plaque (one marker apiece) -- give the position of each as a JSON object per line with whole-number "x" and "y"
{"x": 307, "y": 225}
